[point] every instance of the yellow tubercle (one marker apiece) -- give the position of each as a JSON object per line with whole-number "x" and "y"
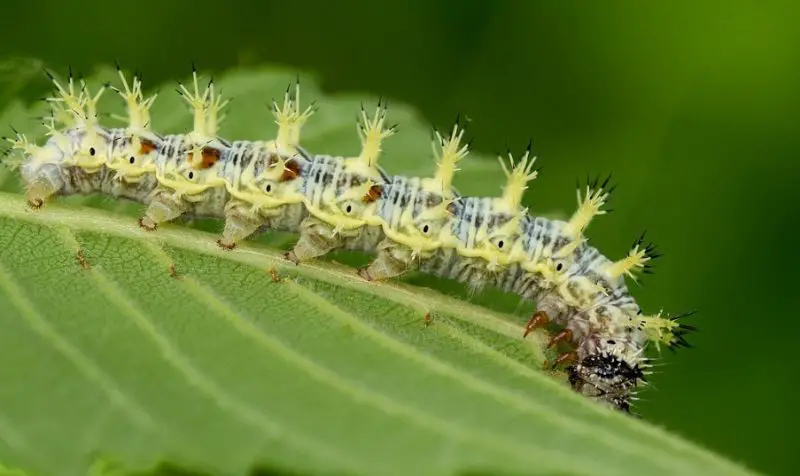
{"x": 290, "y": 120}
{"x": 67, "y": 105}
{"x": 215, "y": 105}
{"x": 518, "y": 175}
{"x": 448, "y": 152}
{"x": 199, "y": 104}
{"x": 659, "y": 329}
{"x": 138, "y": 107}
{"x": 589, "y": 206}
{"x": 19, "y": 143}
{"x": 372, "y": 133}
{"x": 636, "y": 259}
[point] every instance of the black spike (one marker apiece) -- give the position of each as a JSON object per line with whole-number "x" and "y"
{"x": 605, "y": 182}
{"x": 116, "y": 63}
{"x": 194, "y": 67}
{"x": 684, "y": 315}
{"x": 458, "y": 119}
{"x": 530, "y": 145}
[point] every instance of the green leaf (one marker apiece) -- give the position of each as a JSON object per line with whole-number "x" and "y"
{"x": 160, "y": 348}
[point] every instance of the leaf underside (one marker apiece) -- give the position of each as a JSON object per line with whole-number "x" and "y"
{"x": 160, "y": 348}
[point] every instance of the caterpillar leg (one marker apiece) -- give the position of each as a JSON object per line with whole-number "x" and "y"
{"x": 539, "y": 319}
{"x": 38, "y": 192}
{"x": 162, "y": 208}
{"x": 391, "y": 261}
{"x": 563, "y": 360}
{"x": 316, "y": 239}
{"x": 240, "y": 223}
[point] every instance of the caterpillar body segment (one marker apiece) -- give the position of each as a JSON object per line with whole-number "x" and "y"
{"x": 263, "y": 179}
{"x": 340, "y": 195}
{"x": 415, "y": 213}
{"x": 478, "y": 240}
{"x": 338, "y": 202}
{"x": 261, "y": 184}
{"x": 187, "y": 166}
{"x": 133, "y": 155}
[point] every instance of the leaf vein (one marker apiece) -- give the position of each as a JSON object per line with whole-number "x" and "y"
{"x": 85, "y": 366}
{"x": 200, "y": 381}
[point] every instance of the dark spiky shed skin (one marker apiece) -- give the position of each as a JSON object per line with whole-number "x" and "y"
{"x": 607, "y": 377}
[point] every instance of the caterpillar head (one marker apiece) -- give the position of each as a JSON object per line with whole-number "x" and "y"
{"x": 609, "y": 375}
{"x": 134, "y": 156}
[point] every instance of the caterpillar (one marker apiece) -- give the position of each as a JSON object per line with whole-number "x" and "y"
{"x": 336, "y": 202}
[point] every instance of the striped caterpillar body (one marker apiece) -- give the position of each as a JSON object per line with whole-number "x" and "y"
{"x": 336, "y": 202}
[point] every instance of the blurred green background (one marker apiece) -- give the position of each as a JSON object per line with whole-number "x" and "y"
{"x": 693, "y": 106}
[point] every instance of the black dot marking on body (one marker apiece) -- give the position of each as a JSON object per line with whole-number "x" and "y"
{"x": 92, "y": 151}
{"x": 425, "y": 229}
{"x": 132, "y": 159}
{"x": 268, "y": 188}
{"x": 559, "y": 266}
{"x": 349, "y": 208}
{"x": 191, "y": 175}
{"x": 500, "y": 244}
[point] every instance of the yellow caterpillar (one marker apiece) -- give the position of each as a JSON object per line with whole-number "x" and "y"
{"x": 334, "y": 202}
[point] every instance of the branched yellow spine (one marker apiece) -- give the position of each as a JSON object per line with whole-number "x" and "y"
{"x": 518, "y": 175}
{"x": 452, "y": 152}
{"x": 199, "y": 106}
{"x": 215, "y": 105}
{"x": 67, "y": 106}
{"x": 372, "y": 133}
{"x": 658, "y": 329}
{"x": 90, "y": 120}
{"x": 636, "y": 259}
{"x": 138, "y": 107}
{"x": 589, "y": 206}
{"x": 290, "y": 119}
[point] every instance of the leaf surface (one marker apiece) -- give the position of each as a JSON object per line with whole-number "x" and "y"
{"x": 149, "y": 348}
